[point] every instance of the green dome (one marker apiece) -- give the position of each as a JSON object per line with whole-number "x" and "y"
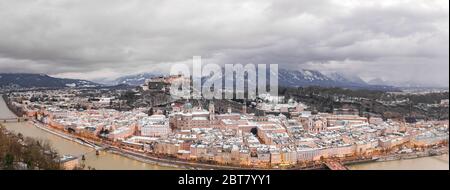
{"x": 187, "y": 106}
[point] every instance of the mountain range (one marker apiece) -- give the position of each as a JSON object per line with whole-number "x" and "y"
{"x": 288, "y": 78}
{"x": 27, "y": 80}
{"x": 135, "y": 80}
{"x": 302, "y": 78}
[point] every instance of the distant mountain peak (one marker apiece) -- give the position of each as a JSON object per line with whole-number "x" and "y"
{"x": 308, "y": 77}
{"x": 136, "y": 79}
{"x": 346, "y": 78}
{"x": 29, "y": 80}
{"x": 377, "y": 81}
{"x": 288, "y": 78}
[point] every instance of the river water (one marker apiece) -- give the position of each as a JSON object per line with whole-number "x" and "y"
{"x": 426, "y": 163}
{"x": 103, "y": 161}
{"x": 109, "y": 161}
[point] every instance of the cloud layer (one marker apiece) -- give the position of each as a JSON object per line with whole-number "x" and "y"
{"x": 400, "y": 41}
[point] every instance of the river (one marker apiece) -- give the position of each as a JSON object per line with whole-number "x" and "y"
{"x": 426, "y": 163}
{"x": 103, "y": 161}
{"x": 110, "y": 161}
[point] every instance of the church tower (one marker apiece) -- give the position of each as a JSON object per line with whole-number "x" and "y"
{"x": 212, "y": 112}
{"x": 244, "y": 107}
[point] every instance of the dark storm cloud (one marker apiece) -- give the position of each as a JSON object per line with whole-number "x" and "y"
{"x": 395, "y": 40}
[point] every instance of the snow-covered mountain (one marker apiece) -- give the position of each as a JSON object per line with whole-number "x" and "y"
{"x": 351, "y": 79}
{"x": 135, "y": 80}
{"x": 302, "y": 78}
{"x": 297, "y": 78}
{"x": 377, "y": 81}
{"x": 288, "y": 78}
{"x": 26, "y": 80}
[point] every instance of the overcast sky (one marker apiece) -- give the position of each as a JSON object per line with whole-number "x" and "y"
{"x": 395, "y": 40}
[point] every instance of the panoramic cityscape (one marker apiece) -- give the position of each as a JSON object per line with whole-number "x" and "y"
{"x": 144, "y": 123}
{"x": 241, "y": 85}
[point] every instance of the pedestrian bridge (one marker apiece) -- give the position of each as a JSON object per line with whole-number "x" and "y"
{"x": 334, "y": 165}
{"x": 96, "y": 150}
{"x": 12, "y": 120}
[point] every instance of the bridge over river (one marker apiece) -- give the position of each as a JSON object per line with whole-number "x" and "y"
{"x": 335, "y": 165}
{"x": 12, "y": 119}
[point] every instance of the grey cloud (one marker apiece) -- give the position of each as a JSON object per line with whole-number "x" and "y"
{"x": 107, "y": 38}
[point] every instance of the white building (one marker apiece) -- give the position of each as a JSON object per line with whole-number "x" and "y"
{"x": 154, "y": 126}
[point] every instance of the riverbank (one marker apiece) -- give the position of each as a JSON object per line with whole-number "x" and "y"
{"x": 146, "y": 158}
{"x": 175, "y": 162}
{"x": 424, "y": 163}
{"x": 65, "y": 136}
{"x": 130, "y": 154}
{"x": 414, "y": 155}
{"x": 388, "y": 162}
{"x": 104, "y": 160}
{"x": 19, "y": 153}
{"x": 70, "y": 145}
